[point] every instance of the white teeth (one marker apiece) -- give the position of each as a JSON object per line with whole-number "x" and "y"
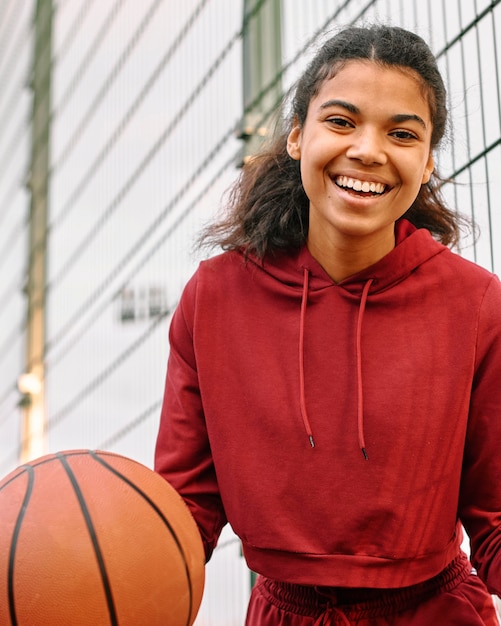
{"x": 359, "y": 185}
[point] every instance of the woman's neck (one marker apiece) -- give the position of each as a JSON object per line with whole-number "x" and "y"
{"x": 341, "y": 260}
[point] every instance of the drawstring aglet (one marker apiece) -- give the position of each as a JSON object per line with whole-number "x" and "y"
{"x": 312, "y": 443}
{"x": 364, "y": 452}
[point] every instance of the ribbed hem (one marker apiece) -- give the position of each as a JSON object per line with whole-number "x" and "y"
{"x": 349, "y": 570}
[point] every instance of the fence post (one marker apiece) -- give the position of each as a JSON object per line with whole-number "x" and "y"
{"x": 31, "y": 383}
{"x": 262, "y": 67}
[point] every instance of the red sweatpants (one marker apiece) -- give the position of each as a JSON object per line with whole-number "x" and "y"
{"x": 456, "y": 597}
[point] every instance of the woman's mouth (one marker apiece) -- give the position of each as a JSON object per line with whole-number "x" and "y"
{"x": 360, "y": 186}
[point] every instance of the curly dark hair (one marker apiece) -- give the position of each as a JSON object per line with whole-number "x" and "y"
{"x": 267, "y": 206}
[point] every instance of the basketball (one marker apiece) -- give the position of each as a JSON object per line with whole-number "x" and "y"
{"x": 94, "y": 538}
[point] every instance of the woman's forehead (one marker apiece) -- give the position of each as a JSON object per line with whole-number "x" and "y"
{"x": 363, "y": 80}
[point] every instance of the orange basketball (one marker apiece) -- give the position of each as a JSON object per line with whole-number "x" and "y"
{"x": 95, "y": 539}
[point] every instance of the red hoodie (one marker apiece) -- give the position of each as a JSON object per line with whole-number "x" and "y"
{"x": 344, "y": 430}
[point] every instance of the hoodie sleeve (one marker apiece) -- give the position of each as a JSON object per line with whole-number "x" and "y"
{"x": 480, "y": 497}
{"x": 183, "y": 455}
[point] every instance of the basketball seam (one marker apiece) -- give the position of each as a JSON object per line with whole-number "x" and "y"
{"x": 93, "y": 536}
{"x": 15, "y": 537}
{"x": 163, "y": 518}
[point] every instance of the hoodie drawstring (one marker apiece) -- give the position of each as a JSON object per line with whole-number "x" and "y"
{"x": 360, "y": 391}
{"x": 302, "y": 400}
{"x": 360, "y": 394}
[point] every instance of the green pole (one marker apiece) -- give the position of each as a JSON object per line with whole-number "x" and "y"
{"x": 262, "y": 64}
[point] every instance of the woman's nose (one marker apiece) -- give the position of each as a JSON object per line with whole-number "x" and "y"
{"x": 367, "y": 146}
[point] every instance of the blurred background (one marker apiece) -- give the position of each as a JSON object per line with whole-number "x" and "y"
{"x": 122, "y": 125}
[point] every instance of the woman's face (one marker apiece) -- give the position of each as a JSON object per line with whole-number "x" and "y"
{"x": 364, "y": 151}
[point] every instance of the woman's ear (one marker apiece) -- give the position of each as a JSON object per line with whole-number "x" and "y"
{"x": 294, "y": 142}
{"x": 428, "y": 170}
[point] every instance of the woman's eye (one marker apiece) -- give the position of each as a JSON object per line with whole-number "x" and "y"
{"x": 339, "y": 121}
{"x": 403, "y": 134}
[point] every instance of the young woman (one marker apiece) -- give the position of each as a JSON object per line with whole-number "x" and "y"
{"x": 333, "y": 387}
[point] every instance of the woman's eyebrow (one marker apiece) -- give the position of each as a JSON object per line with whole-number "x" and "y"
{"x": 406, "y": 117}
{"x": 340, "y": 103}
{"x": 397, "y": 119}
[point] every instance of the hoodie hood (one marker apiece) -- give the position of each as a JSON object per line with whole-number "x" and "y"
{"x": 413, "y": 247}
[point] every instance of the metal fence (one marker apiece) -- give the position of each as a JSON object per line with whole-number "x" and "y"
{"x": 147, "y": 105}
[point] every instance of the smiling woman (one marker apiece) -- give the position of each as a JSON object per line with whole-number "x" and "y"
{"x": 333, "y": 381}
